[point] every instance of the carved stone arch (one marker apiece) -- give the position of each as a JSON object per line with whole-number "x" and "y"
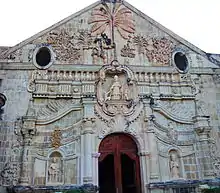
{"x": 174, "y": 148}
{"x": 137, "y": 139}
{"x": 60, "y": 151}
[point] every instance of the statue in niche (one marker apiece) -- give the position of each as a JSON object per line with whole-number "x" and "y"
{"x": 115, "y": 92}
{"x": 174, "y": 166}
{"x": 54, "y": 171}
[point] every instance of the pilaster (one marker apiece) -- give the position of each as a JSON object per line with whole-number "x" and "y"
{"x": 202, "y": 128}
{"x": 154, "y": 164}
{"x": 88, "y": 142}
{"x": 28, "y": 130}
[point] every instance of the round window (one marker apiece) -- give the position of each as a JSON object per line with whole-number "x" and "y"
{"x": 43, "y": 57}
{"x": 181, "y": 61}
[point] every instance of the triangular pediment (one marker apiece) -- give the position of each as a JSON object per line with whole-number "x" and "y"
{"x": 134, "y": 39}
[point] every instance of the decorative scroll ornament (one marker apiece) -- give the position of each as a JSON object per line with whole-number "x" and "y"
{"x": 56, "y": 138}
{"x": 117, "y": 94}
{"x": 118, "y": 17}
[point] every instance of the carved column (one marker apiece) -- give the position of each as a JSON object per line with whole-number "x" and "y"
{"x": 144, "y": 163}
{"x": 88, "y": 144}
{"x": 87, "y": 138}
{"x": 28, "y": 130}
{"x": 150, "y": 141}
{"x": 203, "y": 128}
{"x": 95, "y": 172}
{"x": 154, "y": 165}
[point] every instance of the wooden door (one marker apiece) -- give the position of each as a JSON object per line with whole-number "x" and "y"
{"x": 125, "y": 162}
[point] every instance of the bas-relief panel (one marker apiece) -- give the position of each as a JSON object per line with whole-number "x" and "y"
{"x": 183, "y": 109}
{"x": 138, "y": 42}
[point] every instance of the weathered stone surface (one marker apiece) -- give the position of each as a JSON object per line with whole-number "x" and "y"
{"x": 112, "y": 70}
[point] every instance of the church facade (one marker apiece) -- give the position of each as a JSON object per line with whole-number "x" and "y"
{"x": 109, "y": 98}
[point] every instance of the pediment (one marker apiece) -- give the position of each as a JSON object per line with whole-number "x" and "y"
{"x": 91, "y": 37}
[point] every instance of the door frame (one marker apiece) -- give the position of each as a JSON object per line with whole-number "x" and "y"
{"x": 107, "y": 146}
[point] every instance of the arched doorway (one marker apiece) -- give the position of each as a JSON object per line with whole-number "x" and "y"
{"x": 119, "y": 169}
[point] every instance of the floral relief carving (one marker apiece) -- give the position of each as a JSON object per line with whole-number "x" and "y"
{"x": 105, "y": 18}
{"x": 64, "y": 45}
{"x": 9, "y": 174}
{"x": 84, "y": 39}
{"x": 128, "y": 50}
{"x": 157, "y": 50}
{"x": 56, "y": 138}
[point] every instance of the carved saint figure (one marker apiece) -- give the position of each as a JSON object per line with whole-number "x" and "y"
{"x": 172, "y": 133}
{"x": 115, "y": 91}
{"x": 174, "y": 166}
{"x": 54, "y": 170}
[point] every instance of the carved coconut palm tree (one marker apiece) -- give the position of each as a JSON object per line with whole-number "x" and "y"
{"x": 118, "y": 17}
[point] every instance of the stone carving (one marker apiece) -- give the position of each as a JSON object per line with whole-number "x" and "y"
{"x": 115, "y": 92}
{"x": 158, "y": 51}
{"x": 56, "y": 138}
{"x": 172, "y": 133}
{"x": 102, "y": 50}
{"x": 85, "y": 42}
{"x": 15, "y": 56}
{"x": 176, "y": 109}
{"x": 64, "y": 45}
{"x": 118, "y": 101}
{"x": 84, "y": 39}
{"x": 54, "y": 170}
{"x": 53, "y": 107}
{"x": 128, "y": 50}
{"x": 174, "y": 165}
{"x": 216, "y": 78}
{"x": 202, "y": 109}
{"x": 118, "y": 123}
{"x": 215, "y": 156}
{"x": 10, "y": 174}
{"x": 106, "y": 17}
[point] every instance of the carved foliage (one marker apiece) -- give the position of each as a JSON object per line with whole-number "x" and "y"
{"x": 56, "y": 138}
{"x": 9, "y": 174}
{"x": 104, "y": 18}
{"x": 157, "y": 50}
{"x": 128, "y": 50}
{"x": 64, "y": 46}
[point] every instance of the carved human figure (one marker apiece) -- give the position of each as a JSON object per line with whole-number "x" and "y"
{"x": 54, "y": 170}
{"x": 115, "y": 91}
{"x": 174, "y": 166}
{"x": 172, "y": 133}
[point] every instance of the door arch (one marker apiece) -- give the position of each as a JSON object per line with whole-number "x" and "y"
{"x": 119, "y": 167}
